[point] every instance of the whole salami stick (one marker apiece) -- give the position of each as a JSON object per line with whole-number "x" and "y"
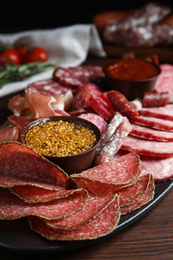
{"x": 157, "y": 99}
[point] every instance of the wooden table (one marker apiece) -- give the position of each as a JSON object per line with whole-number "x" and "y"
{"x": 151, "y": 237}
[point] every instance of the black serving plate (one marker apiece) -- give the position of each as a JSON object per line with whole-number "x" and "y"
{"x": 16, "y": 235}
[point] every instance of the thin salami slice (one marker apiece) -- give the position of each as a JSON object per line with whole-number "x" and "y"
{"x": 164, "y": 81}
{"x": 152, "y": 122}
{"x": 146, "y": 147}
{"x": 151, "y": 134}
{"x": 147, "y": 196}
{"x": 134, "y": 192}
{"x": 75, "y": 76}
{"x": 109, "y": 177}
{"x": 164, "y": 112}
{"x": 103, "y": 224}
{"x": 113, "y": 145}
{"x": 13, "y": 207}
{"x": 21, "y": 165}
{"x": 95, "y": 119}
{"x": 83, "y": 216}
{"x": 48, "y": 87}
{"x": 34, "y": 194}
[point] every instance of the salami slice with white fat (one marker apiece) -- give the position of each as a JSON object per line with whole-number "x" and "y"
{"x": 103, "y": 224}
{"x": 153, "y": 122}
{"x": 21, "y": 165}
{"x": 75, "y": 76}
{"x": 151, "y": 134}
{"x": 12, "y": 207}
{"x": 95, "y": 119}
{"x": 164, "y": 112}
{"x": 108, "y": 177}
{"x": 165, "y": 79}
{"x": 148, "y": 147}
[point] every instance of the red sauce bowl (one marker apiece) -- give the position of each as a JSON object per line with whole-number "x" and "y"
{"x": 74, "y": 163}
{"x": 131, "y": 77}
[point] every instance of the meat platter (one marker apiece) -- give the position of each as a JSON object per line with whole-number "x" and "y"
{"x": 17, "y": 235}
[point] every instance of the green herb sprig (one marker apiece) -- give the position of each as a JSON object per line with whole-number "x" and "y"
{"x": 11, "y": 73}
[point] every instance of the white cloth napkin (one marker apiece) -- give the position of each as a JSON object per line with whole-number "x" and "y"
{"x": 68, "y": 46}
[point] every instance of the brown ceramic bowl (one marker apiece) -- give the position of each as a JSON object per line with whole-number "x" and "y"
{"x": 74, "y": 163}
{"x": 136, "y": 87}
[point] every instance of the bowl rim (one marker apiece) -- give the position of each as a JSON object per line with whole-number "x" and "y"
{"x": 82, "y": 121}
{"x": 112, "y": 61}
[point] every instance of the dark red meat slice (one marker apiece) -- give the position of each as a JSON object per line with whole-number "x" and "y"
{"x": 95, "y": 119}
{"x": 146, "y": 197}
{"x": 82, "y": 216}
{"x": 13, "y": 207}
{"x": 152, "y": 122}
{"x": 21, "y": 165}
{"x": 103, "y": 224}
{"x": 164, "y": 112}
{"x": 113, "y": 145}
{"x": 121, "y": 104}
{"x": 155, "y": 99}
{"x": 75, "y": 76}
{"x": 151, "y": 134}
{"x": 149, "y": 148}
{"x": 84, "y": 94}
{"x": 108, "y": 177}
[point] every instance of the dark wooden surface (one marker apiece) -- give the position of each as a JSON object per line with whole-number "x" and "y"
{"x": 151, "y": 237}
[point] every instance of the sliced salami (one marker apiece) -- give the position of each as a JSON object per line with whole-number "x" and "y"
{"x": 146, "y": 147}
{"x": 13, "y": 207}
{"x": 153, "y": 122}
{"x": 48, "y": 87}
{"x": 165, "y": 79}
{"x": 109, "y": 177}
{"x": 155, "y": 99}
{"x": 113, "y": 145}
{"x": 95, "y": 119}
{"x": 75, "y": 76}
{"x": 34, "y": 194}
{"x": 103, "y": 224}
{"x": 164, "y": 112}
{"x": 147, "y": 196}
{"x": 83, "y": 216}
{"x": 151, "y": 134}
{"x": 21, "y": 165}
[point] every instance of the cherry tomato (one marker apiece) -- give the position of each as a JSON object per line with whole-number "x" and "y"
{"x": 9, "y": 56}
{"x": 23, "y": 52}
{"x": 37, "y": 54}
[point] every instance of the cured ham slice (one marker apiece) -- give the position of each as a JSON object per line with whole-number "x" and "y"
{"x": 152, "y": 122}
{"x": 164, "y": 112}
{"x": 17, "y": 104}
{"x": 13, "y": 207}
{"x": 21, "y": 165}
{"x": 101, "y": 225}
{"x": 9, "y": 133}
{"x": 83, "y": 216}
{"x": 151, "y": 134}
{"x": 149, "y": 148}
{"x": 161, "y": 168}
{"x": 108, "y": 177}
{"x": 165, "y": 79}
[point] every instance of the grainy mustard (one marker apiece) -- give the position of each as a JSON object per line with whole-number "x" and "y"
{"x": 60, "y": 138}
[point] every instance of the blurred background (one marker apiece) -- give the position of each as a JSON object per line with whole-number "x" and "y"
{"x": 25, "y": 15}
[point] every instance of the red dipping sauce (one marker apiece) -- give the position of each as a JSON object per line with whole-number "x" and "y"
{"x": 132, "y": 69}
